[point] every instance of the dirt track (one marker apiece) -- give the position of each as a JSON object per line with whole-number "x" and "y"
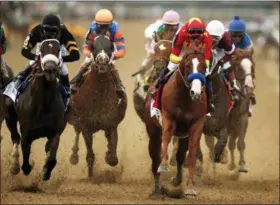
{"x": 131, "y": 181}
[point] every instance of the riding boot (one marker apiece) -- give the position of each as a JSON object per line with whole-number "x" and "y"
{"x": 64, "y": 80}
{"x": 77, "y": 79}
{"x": 233, "y": 84}
{"x": 209, "y": 93}
{"x": 21, "y": 77}
{"x": 160, "y": 80}
{"x": 120, "y": 89}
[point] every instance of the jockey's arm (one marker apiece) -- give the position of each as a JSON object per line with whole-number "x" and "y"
{"x": 120, "y": 44}
{"x": 87, "y": 48}
{"x": 3, "y": 42}
{"x": 30, "y": 42}
{"x": 71, "y": 47}
{"x": 176, "y": 51}
{"x": 208, "y": 49}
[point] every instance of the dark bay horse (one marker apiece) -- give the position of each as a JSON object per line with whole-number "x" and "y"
{"x": 96, "y": 105}
{"x": 183, "y": 108}
{"x": 162, "y": 51}
{"x": 244, "y": 69}
{"x": 40, "y": 111}
{"x": 6, "y": 74}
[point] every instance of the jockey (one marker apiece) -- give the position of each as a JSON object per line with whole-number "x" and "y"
{"x": 103, "y": 24}
{"x": 50, "y": 28}
{"x": 240, "y": 38}
{"x": 225, "y": 48}
{"x": 193, "y": 31}
{"x": 170, "y": 20}
{"x": 3, "y": 49}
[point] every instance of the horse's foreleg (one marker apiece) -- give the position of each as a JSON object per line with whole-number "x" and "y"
{"x": 26, "y": 147}
{"x": 241, "y": 145}
{"x": 180, "y": 157}
{"x": 174, "y": 151}
{"x": 11, "y": 123}
{"x": 154, "y": 151}
{"x": 74, "y": 158}
{"x": 231, "y": 146}
{"x": 220, "y": 146}
{"x": 90, "y": 157}
{"x": 111, "y": 155}
{"x": 167, "y": 133}
{"x": 194, "y": 143}
{"x": 51, "y": 148}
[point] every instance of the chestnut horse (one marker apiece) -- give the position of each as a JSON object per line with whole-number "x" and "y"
{"x": 244, "y": 69}
{"x": 96, "y": 105}
{"x": 162, "y": 51}
{"x": 183, "y": 108}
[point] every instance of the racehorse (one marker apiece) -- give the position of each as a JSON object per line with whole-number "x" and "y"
{"x": 96, "y": 105}
{"x": 40, "y": 111}
{"x": 183, "y": 108}
{"x": 5, "y": 76}
{"x": 244, "y": 69}
{"x": 216, "y": 125}
{"x": 162, "y": 51}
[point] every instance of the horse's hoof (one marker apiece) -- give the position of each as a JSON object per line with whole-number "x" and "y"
{"x": 243, "y": 168}
{"x": 26, "y": 169}
{"x": 176, "y": 182}
{"x": 224, "y": 159}
{"x": 14, "y": 169}
{"x": 156, "y": 194}
{"x": 190, "y": 192}
{"x": 163, "y": 168}
{"x": 46, "y": 174}
{"x": 231, "y": 166}
{"x": 217, "y": 158}
{"x": 112, "y": 160}
{"x": 74, "y": 159}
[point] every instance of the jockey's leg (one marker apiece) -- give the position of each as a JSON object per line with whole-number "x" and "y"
{"x": 64, "y": 77}
{"x": 120, "y": 89}
{"x": 171, "y": 67}
{"x": 22, "y": 76}
{"x": 209, "y": 94}
{"x": 77, "y": 79}
{"x": 231, "y": 78}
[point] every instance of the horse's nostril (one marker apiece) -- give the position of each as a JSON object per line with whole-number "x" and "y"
{"x": 192, "y": 93}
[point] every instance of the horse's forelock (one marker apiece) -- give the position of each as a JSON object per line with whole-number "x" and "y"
{"x": 103, "y": 42}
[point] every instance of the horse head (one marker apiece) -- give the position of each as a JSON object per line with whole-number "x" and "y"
{"x": 50, "y": 54}
{"x": 102, "y": 53}
{"x": 192, "y": 69}
{"x": 163, "y": 50}
{"x": 244, "y": 69}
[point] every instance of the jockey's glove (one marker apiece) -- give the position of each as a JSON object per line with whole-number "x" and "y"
{"x": 172, "y": 66}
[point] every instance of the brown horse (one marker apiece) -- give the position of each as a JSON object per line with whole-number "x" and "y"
{"x": 96, "y": 105}
{"x": 6, "y": 74}
{"x": 184, "y": 107}
{"x": 162, "y": 51}
{"x": 244, "y": 69}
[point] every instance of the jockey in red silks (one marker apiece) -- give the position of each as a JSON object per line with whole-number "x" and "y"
{"x": 224, "y": 48}
{"x": 192, "y": 32}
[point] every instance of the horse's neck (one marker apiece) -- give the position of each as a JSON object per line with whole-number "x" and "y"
{"x": 42, "y": 91}
{"x": 100, "y": 82}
